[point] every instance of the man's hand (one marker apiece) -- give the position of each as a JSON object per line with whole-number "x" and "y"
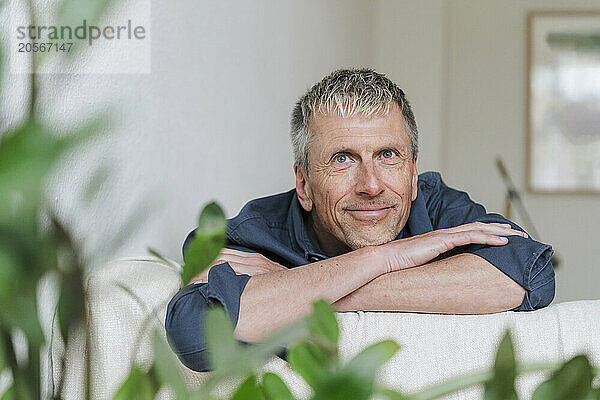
{"x": 241, "y": 262}
{"x": 418, "y": 250}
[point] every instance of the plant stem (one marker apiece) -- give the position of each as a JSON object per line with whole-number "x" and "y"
{"x": 33, "y": 367}
{"x": 87, "y": 356}
{"x": 32, "y": 76}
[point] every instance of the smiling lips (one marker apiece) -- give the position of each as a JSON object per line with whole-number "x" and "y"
{"x": 369, "y": 214}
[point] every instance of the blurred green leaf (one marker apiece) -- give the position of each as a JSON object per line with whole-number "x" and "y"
{"x": 3, "y": 357}
{"x": 283, "y": 338}
{"x": 223, "y": 349}
{"x": 543, "y": 391}
{"x": 359, "y": 373}
{"x": 274, "y": 388}
{"x": 594, "y": 394}
{"x": 138, "y": 385}
{"x": 167, "y": 366}
{"x": 22, "y": 386}
{"x": 324, "y": 327}
{"x": 62, "y": 312}
{"x": 308, "y": 360}
{"x": 250, "y": 357}
{"x": 70, "y": 310}
{"x": 341, "y": 386}
{"x": 26, "y": 155}
{"x": 208, "y": 240}
{"x": 9, "y": 394}
{"x": 366, "y": 363}
{"x": 393, "y": 395}
{"x": 72, "y": 13}
{"x": 572, "y": 381}
{"x": 212, "y": 219}
{"x": 71, "y": 302}
{"x": 502, "y": 384}
{"x": 22, "y": 313}
{"x": 248, "y": 390}
{"x": 9, "y": 272}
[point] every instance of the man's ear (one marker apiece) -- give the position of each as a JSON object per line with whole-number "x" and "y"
{"x": 303, "y": 189}
{"x": 415, "y": 179}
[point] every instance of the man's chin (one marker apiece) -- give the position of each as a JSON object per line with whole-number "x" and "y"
{"x": 359, "y": 243}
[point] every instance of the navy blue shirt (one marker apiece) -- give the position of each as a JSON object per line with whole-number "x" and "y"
{"x": 275, "y": 227}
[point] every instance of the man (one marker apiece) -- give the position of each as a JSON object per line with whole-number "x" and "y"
{"x": 361, "y": 230}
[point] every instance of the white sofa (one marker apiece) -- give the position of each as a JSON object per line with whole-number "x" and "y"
{"x": 433, "y": 347}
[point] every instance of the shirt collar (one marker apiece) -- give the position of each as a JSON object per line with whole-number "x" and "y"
{"x": 299, "y": 231}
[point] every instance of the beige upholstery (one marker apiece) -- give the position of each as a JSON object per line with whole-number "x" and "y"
{"x": 434, "y": 347}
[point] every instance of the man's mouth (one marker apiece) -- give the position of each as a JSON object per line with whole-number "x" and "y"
{"x": 369, "y": 213}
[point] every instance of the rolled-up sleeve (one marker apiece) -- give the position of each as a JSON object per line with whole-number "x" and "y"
{"x": 525, "y": 261}
{"x": 184, "y": 322}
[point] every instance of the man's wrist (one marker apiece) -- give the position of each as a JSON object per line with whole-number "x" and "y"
{"x": 376, "y": 257}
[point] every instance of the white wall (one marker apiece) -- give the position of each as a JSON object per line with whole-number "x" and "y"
{"x": 409, "y": 48}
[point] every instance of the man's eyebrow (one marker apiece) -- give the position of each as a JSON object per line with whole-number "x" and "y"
{"x": 345, "y": 149}
{"x": 398, "y": 149}
{"x": 339, "y": 149}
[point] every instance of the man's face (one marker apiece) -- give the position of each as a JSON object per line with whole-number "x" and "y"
{"x": 362, "y": 180}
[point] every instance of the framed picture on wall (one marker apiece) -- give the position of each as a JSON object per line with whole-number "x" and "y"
{"x": 563, "y": 96}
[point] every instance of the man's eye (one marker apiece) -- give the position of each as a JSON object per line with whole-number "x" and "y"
{"x": 341, "y": 158}
{"x": 388, "y": 154}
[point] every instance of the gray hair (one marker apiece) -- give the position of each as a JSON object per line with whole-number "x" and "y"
{"x": 348, "y": 92}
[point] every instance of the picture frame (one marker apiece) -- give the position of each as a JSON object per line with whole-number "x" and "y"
{"x": 563, "y": 102}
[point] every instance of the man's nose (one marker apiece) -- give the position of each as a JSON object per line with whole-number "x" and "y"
{"x": 369, "y": 182}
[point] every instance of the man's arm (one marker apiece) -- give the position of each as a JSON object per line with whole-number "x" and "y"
{"x": 272, "y": 300}
{"x": 461, "y": 284}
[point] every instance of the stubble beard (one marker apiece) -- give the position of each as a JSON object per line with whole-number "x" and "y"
{"x": 355, "y": 240}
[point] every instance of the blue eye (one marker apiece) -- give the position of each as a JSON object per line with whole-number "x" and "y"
{"x": 341, "y": 158}
{"x": 387, "y": 154}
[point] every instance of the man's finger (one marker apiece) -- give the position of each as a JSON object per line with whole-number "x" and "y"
{"x": 494, "y": 227}
{"x": 476, "y": 237}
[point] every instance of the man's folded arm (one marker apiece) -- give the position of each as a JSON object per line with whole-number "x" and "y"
{"x": 184, "y": 321}
{"x": 259, "y": 305}
{"x": 272, "y": 300}
{"x": 466, "y": 282}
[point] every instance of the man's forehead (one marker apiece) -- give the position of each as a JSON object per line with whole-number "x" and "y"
{"x": 335, "y": 131}
{"x": 327, "y": 121}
